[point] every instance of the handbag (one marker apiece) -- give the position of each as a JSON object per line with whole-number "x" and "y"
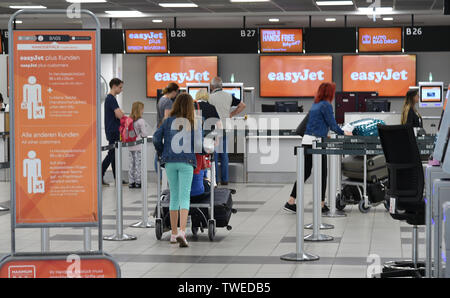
{"x": 39, "y": 112}
{"x": 38, "y": 186}
{"x": 301, "y": 128}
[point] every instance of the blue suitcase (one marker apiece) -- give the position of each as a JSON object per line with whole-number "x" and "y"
{"x": 366, "y": 127}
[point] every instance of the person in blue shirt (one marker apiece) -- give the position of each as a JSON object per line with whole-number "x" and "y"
{"x": 321, "y": 120}
{"x": 176, "y": 141}
{"x": 112, "y": 123}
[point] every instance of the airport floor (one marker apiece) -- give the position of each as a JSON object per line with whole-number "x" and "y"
{"x": 262, "y": 232}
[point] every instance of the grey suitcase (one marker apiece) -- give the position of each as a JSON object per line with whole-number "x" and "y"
{"x": 353, "y": 168}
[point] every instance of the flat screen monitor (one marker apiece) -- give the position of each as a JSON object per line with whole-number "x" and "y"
{"x": 112, "y": 41}
{"x": 237, "y": 89}
{"x": 267, "y": 108}
{"x": 281, "y": 40}
{"x": 146, "y": 41}
{"x": 380, "y": 39}
{"x": 286, "y": 106}
{"x": 431, "y": 94}
{"x": 378, "y": 105}
{"x": 193, "y": 88}
{"x": 161, "y": 70}
{"x": 443, "y": 135}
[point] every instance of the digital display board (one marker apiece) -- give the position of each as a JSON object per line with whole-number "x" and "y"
{"x": 281, "y": 40}
{"x": 330, "y": 40}
{"x": 380, "y": 39}
{"x": 146, "y": 41}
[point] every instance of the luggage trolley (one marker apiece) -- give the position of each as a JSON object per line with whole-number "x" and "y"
{"x": 210, "y": 223}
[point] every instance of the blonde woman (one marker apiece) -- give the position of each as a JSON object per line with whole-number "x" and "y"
{"x": 176, "y": 141}
{"x": 135, "y": 154}
{"x": 410, "y": 115}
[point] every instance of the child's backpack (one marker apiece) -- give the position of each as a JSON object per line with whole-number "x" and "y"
{"x": 127, "y": 132}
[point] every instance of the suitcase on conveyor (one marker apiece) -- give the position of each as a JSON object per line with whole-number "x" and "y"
{"x": 353, "y": 168}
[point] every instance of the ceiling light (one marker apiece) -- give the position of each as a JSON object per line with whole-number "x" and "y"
{"x": 176, "y": 5}
{"x": 274, "y": 20}
{"x": 332, "y": 3}
{"x": 157, "y": 21}
{"x": 248, "y": 1}
{"x": 86, "y": 1}
{"x": 330, "y": 20}
{"x": 27, "y": 7}
{"x": 388, "y": 19}
{"x": 19, "y": 22}
{"x": 378, "y": 10}
{"x": 124, "y": 13}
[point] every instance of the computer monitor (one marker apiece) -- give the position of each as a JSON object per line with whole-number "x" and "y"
{"x": 237, "y": 89}
{"x": 193, "y": 88}
{"x": 286, "y": 106}
{"x": 431, "y": 94}
{"x": 267, "y": 108}
{"x": 378, "y": 105}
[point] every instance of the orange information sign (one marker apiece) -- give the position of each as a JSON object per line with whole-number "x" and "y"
{"x": 281, "y": 40}
{"x": 179, "y": 69}
{"x": 293, "y": 76}
{"x": 146, "y": 41}
{"x": 72, "y": 266}
{"x": 389, "y": 75}
{"x": 380, "y": 39}
{"x": 55, "y": 127}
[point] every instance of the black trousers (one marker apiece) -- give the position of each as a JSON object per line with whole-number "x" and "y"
{"x": 110, "y": 159}
{"x": 308, "y": 169}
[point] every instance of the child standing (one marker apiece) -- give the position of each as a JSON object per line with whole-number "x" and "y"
{"x": 140, "y": 127}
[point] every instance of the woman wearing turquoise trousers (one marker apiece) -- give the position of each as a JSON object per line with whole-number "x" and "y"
{"x": 176, "y": 141}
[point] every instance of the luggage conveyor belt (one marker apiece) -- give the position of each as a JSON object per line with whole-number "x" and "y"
{"x": 362, "y": 146}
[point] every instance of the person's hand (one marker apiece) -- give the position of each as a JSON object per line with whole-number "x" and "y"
{"x": 348, "y": 133}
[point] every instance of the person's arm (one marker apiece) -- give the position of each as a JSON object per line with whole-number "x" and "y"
{"x": 240, "y": 106}
{"x": 166, "y": 113}
{"x": 118, "y": 113}
{"x": 330, "y": 120}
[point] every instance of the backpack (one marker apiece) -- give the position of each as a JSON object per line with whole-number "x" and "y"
{"x": 127, "y": 132}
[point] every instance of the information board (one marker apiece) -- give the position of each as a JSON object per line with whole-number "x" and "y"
{"x": 380, "y": 39}
{"x": 330, "y": 40}
{"x": 427, "y": 39}
{"x": 281, "y": 40}
{"x": 213, "y": 41}
{"x": 293, "y": 76}
{"x": 389, "y": 75}
{"x": 55, "y": 127}
{"x": 146, "y": 41}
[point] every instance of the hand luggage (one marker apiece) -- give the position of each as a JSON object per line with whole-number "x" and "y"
{"x": 365, "y": 127}
{"x": 353, "y": 167}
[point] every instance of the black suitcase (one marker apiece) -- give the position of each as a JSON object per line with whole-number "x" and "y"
{"x": 353, "y": 167}
{"x": 223, "y": 208}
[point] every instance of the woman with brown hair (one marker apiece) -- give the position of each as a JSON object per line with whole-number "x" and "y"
{"x": 140, "y": 128}
{"x": 176, "y": 141}
{"x": 410, "y": 115}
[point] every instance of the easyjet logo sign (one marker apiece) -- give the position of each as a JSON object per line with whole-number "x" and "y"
{"x": 295, "y": 77}
{"x": 150, "y": 36}
{"x": 183, "y": 77}
{"x": 380, "y": 76}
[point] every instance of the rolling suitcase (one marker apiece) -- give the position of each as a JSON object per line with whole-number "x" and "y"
{"x": 364, "y": 127}
{"x": 353, "y": 168}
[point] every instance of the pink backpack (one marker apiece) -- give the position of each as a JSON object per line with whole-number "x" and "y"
{"x": 127, "y": 132}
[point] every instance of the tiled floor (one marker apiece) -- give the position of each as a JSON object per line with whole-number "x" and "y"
{"x": 262, "y": 232}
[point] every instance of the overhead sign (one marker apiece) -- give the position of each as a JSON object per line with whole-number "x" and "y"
{"x": 427, "y": 39}
{"x": 55, "y": 127}
{"x": 179, "y": 69}
{"x": 293, "y": 76}
{"x": 146, "y": 41}
{"x": 70, "y": 266}
{"x": 380, "y": 39}
{"x": 281, "y": 40}
{"x": 389, "y": 75}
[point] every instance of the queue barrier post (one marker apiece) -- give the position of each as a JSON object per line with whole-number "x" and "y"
{"x": 300, "y": 254}
{"x": 119, "y": 235}
{"x": 45, "y": 239}
{"x": 144, "y": 223}
{"x": 87, "y": 239}
{"x": 333, "y": 187}
{"x": 317, "y": 193}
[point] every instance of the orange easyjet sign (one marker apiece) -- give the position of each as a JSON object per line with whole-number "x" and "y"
{"x": 281, "y": 40}
{"x": 146, "y": 41}
{"x": 179, "y": 69}
{"x": 380, "y": 39}
{"x": 293, "y": 76}
{"x": 55, "y": 127}
{"x": 389, "y": 75}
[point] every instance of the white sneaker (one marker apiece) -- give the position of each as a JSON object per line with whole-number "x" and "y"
{"x": 173, "y": 239}
{"x": 181, "y": 238}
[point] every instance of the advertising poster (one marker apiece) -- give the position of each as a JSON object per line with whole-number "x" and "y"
{"x": 55, "y": 127}
{"x": 63, "y": 268}
{"x": 389, "y": 75}
{"x": 146, "y": 41}
{"x": 281, "y": 40}
{"x": 380, "y": 39}
{"x": 293, "y": 76}
{"x": 179, "y": 69}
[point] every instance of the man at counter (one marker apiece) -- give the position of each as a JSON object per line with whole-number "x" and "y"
{"x": 112, "y": 123}
{"x": 223, "y": 101}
